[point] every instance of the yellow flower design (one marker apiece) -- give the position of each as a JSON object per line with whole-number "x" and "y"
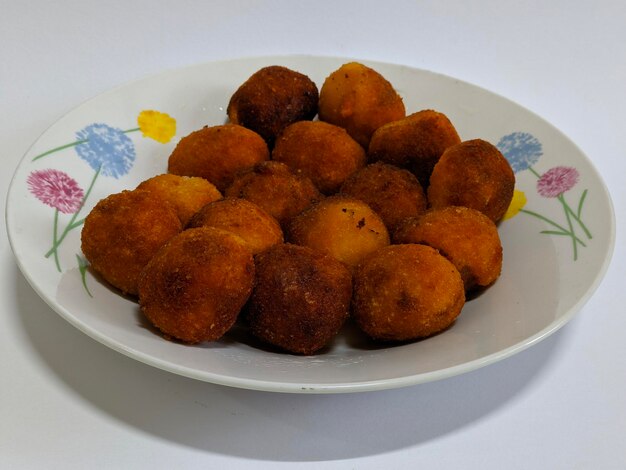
{"x": 156, "y": 125}
{"x": 517, "y": 203}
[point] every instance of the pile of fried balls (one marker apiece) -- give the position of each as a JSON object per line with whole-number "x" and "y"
{"x": 294, "y": 225}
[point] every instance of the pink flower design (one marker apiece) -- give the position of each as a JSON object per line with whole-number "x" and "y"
{"x": 557, "y": 180}
{"x": 56, "y": 189}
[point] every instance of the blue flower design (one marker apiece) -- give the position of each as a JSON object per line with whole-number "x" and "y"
{"x": 521, "y": 149}
{"x": 107, "y": 149}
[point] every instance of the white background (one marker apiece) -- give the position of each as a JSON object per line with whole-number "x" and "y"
{"x": 68, "y": 402}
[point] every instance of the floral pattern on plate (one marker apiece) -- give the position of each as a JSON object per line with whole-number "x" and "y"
{"x": 110, "y": 152}
{"x": 523, "y": 151}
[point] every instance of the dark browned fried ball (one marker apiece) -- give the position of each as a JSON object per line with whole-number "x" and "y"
{"x": 415, "y": 142}
{"x": 473, "y": 174}
{"x": 243, "y": 218}
{"x": 404, "y": 292}
{"x": 343, "y": 226}
{"x": 195, "y": 286}
{"x": 218, "y": 153}
{"x": 393, "y": 193}
{"x": 186, "y": 193}
{"x": 323, "y": 152}
{"x": 465, "y": 236}
{"x": 122, "y": 233}
{"x": 300, "y": 300}
{"x": 276, "y": 189}
{"x": 360, "y": 100}
{"x": 271, "y": 99}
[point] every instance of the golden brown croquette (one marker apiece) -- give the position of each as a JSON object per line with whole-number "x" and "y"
{"x": 271, "y": 99}
{"x": 243, "y": 218}
{"x": 122, "y": 233}
{"x": 195, "y": 286}
{"x": 473, "y": 174}
{"x": 360, "y": 100}
{"x": 218, "y": 153}
{"x": 467, "y": 237}
{"x": 300, "y": 300}
{"x": 405, "y": 292}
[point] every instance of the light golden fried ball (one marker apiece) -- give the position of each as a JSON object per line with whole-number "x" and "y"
{"x": 324, "y": 152}
{"x": 300, "y": 300}
{"x": 186, "y": 193}
{"x": 243, "y": 218}
{"x": 393, "y": 193}
{"x": 271, "y": 99}
{"x": 276, "y": 189}
{"x": 195, "y": 286}
{"x": 218, "y": 153}
{"x": 360, "y": 100}
{"x": 415, "y": 142}
{"x": 122, "y": 233}
{"x": 343, "y": 226}
{"x": 473, "y": 174}
{"x": 467, "y": 237}
{"x": 405, "y": 292}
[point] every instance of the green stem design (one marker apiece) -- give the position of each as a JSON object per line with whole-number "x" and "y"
{"x": 72, "y": 223}
{"x": 532, "y": 170}
{"x": 570, "y": 215}
{"x": 56, "y": 149}
{"x": 562, "y": 230}
{"x": 577, "y": 215}
{"x": 55, "y": 231}
{"x": 570, "y": 225}
{"x": 545, "y": 219}
{"x": 74, "y": 144}
{"x": 82, "y": 267}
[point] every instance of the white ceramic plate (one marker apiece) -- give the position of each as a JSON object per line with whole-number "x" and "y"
{"x": 556, "y": 248}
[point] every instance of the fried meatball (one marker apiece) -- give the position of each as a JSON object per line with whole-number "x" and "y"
{"x": 243, "y": 218}
{"x": 122, "y": 233}
{"x": 186, "y": 193}
{"x": 276, "y": 189}
{"x": 195, "y": 286}
{"x": 415, "y": 142}
{"x": 271, "y": 99}
{"x": 324, "y": 152}
{"x": 218, "y": 153}
{"x": 343, "y": 226}
{"x": 405, "y": 292}
{"x": 467, "y": 237}
{"x": 393, "y": 193}
{"x": 360, "y": 100}
{"x": 300, "y": 300}
{"x": 473, "y": 174}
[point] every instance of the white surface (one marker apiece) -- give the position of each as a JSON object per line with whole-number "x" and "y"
{"x": 69, "y": 402}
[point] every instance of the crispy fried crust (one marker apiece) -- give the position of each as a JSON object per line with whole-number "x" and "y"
{"x": 271, "y": 99}
{"x": 323, "y": 152}
{"x": 345, "y": 227}
{"x": 186, "y": 193}
{"x": 218, "y": 153}
{"x": 122, "y": 233}
{"x": 276, "y": 189}
{"x": 473, "y": 174}
{"x": 360, "y": 100}
{"x": 393, "y": 193}
{"x": 415, "y": 142}
{"x": 404, "y": 292}
{"x": 243, "y": 218}
{"x": 300, "y": 300}
{"x": 467, "y": 237}
{"x": 195, "y": 286}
